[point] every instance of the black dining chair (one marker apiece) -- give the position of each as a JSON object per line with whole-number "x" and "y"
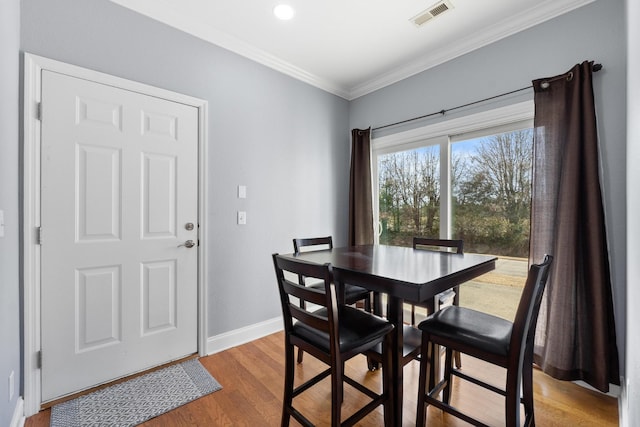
{"x": 352, "y": 294}
{"x": 489, "y": 338}
{"x": 449, "y": 297}
{"x": 334, "y": 333}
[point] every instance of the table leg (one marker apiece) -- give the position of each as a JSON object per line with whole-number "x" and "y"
{"x": 395, "y": 316}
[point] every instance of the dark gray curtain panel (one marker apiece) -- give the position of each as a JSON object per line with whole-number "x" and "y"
{"x": 360, "y": 198}
{"x": 575, "y": 338}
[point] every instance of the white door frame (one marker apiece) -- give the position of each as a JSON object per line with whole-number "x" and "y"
{"x": 33, "y": 66}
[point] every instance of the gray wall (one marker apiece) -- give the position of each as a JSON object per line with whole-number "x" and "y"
{"x": 288, "y": 142}
{"x": 593, "y": 32}
{"x": 9, "y": 244}
{"x": 631, "y": 410}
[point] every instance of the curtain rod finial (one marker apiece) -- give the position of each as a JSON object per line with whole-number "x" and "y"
{"x": 597, "y": 67}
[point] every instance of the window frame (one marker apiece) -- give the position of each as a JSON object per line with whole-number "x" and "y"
{"x": 444, "y": 133}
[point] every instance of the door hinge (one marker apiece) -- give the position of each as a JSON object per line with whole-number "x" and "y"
{"x": 39, "y": 111}
{"x": 39, "y": 359}
{"x": 39, "y": 235}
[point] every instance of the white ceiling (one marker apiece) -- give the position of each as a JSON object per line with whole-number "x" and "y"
{"x": 351, "y": 47}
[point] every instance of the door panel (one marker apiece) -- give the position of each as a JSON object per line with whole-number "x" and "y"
{"x": 119, "y": 182}
{"x": 159, "y": 195}
{"x": 159, "y": 296}
{"x": 99, "y": 307}
{"x": 99, "y": 193}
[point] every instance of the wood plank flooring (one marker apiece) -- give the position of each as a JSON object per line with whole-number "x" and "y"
{"x": 252, "y": 376}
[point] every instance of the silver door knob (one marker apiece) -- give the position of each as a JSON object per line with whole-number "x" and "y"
{"x": 188, "y": 244}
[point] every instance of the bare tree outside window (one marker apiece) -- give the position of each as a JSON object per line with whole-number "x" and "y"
{"x": 492, "y": 194}
{"x": 409, "y": 195}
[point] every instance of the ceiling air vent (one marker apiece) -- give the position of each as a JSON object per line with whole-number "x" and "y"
{"x": 431, "y": 12}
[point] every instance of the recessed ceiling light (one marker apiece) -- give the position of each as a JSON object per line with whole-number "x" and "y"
{"x": 284, "y": 12}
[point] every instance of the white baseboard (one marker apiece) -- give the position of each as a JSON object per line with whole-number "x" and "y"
{"x": 614, "y": 390}
{"x": 241, "y": 336}
{"x": 623, "y": 404}
{"x": 18, "y": 419}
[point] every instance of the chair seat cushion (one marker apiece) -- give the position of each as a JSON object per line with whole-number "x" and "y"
{"x": 488, "y": 333}
{"x": 352, "y": 293}
{"x": 357, "y": 328}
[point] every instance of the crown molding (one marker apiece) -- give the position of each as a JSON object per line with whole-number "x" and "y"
{"x": 544, "y": 11}
{"x": 159, "y": 10}
{"x": 162, "y": 12}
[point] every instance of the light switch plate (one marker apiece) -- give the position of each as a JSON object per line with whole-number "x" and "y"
{"x": 242, "y": 217}
{"x": 242, "y": 191}
{"x": 1, "y": 223}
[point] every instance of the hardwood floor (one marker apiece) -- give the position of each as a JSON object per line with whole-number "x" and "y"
{"x": 252, "y": 376}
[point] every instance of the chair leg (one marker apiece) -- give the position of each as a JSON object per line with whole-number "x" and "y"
{"x": 458, "y": 360}
{"x": 456, "y": 301}
{"x": 433, "y": 375}
{"x": 303, "y": 305}
{"x": 376, "y": 308}
{"x": 456, "y": 297}
{"x": 287, "y": 400}
{"x": 446, "y": 393}
{"x": 372, "y": 365}
{"x": 341, "y": 383}
{"x": 367, "y": 303}
{"x": 527, "y": 389}
{"x": 377, "y": 304}
{"x": 413, "y": 315}
{"x": 512, "y": 399}
{"x": 424, "y": 378}
{"x": 337, "y": 389}
{"x": 387, "y": 380}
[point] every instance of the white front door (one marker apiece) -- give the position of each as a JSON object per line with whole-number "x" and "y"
{"x": 119, "y": 199}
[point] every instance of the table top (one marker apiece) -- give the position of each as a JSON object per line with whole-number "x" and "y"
{"x": 411, "y": 274}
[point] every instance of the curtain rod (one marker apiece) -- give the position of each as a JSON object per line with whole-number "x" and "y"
{"x": 596, "y": 68}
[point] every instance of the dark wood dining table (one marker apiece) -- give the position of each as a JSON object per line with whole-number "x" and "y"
{"x": 403, "y": 274}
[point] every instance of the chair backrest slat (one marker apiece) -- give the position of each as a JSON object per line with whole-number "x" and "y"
{"x": 311, "y": 243}
{"x": 438, "y": 244}
{"x": 312, "y": 295}
{"x": 313, "y": 320}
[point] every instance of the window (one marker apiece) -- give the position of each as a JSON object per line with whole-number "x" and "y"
{"x": 467, "y": 178}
